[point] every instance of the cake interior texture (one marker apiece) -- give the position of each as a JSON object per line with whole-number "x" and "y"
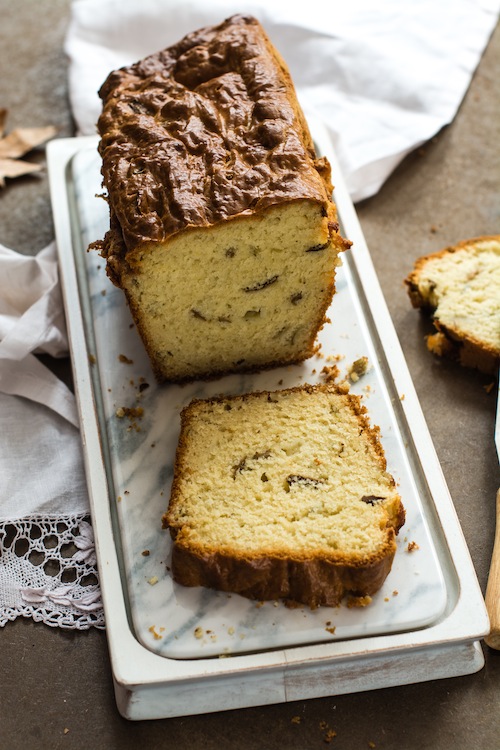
{"x": 283, "y": 495}
{"x": 460, "y": 286}
{"x": 223, "y": 233}
{"x": 255, "y": 293}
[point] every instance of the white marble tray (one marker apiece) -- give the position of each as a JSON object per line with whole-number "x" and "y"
{"x": 130, "y": 461}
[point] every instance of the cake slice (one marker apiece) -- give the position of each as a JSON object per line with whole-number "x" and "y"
{"x": 460, "y": 287}
{"x": 223, "y": 234}
{"x": 283, "y": 495}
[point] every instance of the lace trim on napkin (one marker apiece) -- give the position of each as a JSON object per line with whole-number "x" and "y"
{"x": 48, "y": 572}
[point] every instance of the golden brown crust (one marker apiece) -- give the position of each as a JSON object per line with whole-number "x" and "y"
{"x": 203, "y": 131}
{"x": 314, "y": 582}
{"x": 304, "y": 577}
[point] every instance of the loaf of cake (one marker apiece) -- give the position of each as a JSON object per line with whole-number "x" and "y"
{"x": 460, "y": 287}
{"x": 223, "y": 234}
{"x": 283, "y": 495}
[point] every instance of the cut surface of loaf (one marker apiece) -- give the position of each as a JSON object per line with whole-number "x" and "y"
{"x": 460, "y": 287}
{"x": 223, "y": 234}
{"x": 283, "y": 495}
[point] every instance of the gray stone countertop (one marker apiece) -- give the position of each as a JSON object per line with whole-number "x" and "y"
{"x": 56, "y": 688}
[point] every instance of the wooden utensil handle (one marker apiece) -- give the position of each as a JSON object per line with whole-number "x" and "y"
{"x": 493, "y": 588}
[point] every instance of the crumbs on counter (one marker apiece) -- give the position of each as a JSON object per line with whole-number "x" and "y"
{"x": 412, "y": 546}
{"x": 92, "y": 359}
{"x": 296, "y": 719}
{"x": 145, "y": 553}
{"x": 153, "y": 580}
{"x": 329, "y": 733}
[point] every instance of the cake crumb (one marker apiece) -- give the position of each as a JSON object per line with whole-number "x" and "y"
{"x": 296, "y": 719}
{"x": 153, "y": 580}
{"x": 395, "y": 592}
{"x": 488, "y": 388}
{"x": 131, "y": 412}
{"x": 329, "y": 733}
{"x": 65, "y": 730}
{"x": 156, "y": 635}
{"x": 412, "y": 546}
{"x": 145, "y": 553}
{"x": 125, "y": 360}
{"x": 358, "y": 368}
{"x": 371, "y": 744}
{"x": 92, "y": 359}
{"x": 330, "y": 373}
{"x": 358, "y": 601}
{"x": 344, "y": 386}
{"x": 198, "y": 632}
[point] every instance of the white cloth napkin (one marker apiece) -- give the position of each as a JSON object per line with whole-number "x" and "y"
{"x": 46, "y": 541}
{"x": 384, "y": 77}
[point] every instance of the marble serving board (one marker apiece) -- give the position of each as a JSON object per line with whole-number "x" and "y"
{"x": 139, "y": 422}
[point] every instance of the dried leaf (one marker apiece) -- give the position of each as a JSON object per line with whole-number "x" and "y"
{"x": 3, "y": 118}
{"x": 22, "y": 140}
{"x": 16, "y": 168}
{"x": 17, "y": 143}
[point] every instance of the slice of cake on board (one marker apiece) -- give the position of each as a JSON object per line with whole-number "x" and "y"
{"x": 283, "y": 495}
{"x": 460, "y": 287}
